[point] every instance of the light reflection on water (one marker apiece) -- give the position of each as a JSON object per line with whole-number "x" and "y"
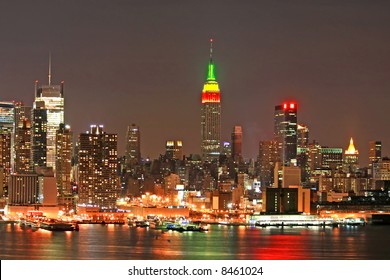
{"x": 120, "y": 242}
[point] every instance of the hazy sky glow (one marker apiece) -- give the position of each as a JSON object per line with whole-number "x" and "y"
{"x": 145, "y": 62}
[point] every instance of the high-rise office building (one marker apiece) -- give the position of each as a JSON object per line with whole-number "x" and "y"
{"x": 22, "y": 112}
{"x": 49, "y": 98}
{"x": 285, "y": 131}
{"x": 351, "y": 158}
{"x": 64, "y": 152}
{"x": 268, "y": 156}
{"x": 5, "y": 157}
{"x": 39, "y": 134}
{"x": 133, "y": 146}
{"x": 237, "y": 144}
{"x": 174, "y": 149}
{"x": 97, "y": 168}
{"x": 23, "y": 130}
{"x": 226, "y": 149}
{"x": 23, "y": 163}
{"x": 375, "y": 152}
{"x": 7, "y": 117}
{"x": 331, "y": 158}
{"x": 302, "y": 136}
{"x": 211, "y": 115}
{"x": 7, "y": 130}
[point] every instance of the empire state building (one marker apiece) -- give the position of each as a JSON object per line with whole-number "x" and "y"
{"x": 211, "y": 115}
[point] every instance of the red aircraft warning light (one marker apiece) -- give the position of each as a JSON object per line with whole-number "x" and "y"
{"x": 290, "y": 105}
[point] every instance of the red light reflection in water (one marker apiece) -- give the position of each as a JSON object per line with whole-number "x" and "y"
{"x": 282, "y": 247}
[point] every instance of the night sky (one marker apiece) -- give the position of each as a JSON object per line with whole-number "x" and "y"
{"x": 145, "y": 62}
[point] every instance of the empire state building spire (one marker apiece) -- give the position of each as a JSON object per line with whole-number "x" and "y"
{"x": 210, "y": 73}
{"x": 49, "y": 75}
{"x": 211, "y": 114}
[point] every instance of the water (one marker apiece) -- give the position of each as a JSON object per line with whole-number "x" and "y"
{"x": 120, "y": 242}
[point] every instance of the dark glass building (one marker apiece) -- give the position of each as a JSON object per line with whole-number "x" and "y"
{"x": 285, "y": 131}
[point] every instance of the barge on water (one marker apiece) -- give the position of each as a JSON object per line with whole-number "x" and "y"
{"x": 59, "y": 226}
{"x": 291, "y": 221}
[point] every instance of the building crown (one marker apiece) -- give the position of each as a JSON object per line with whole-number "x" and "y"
{"x": 351, "y": 149}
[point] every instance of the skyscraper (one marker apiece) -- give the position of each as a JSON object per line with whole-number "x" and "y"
{"x": 375, "y": 152}
{"x": 237, "y": 144}
{"x": 21, "y": 112}
{"x": 64, "y": 141}
{"x": 22, "y": 138}
{"x": 351, "y": 158}
{"x": 285, "y": 131}
{"x": 332, "y": 158}
{"x": 39, "y": 134}
{"x": 7, "y": 117}
{"x": 23, "y": 162}
{"x": 133, "y": 146}
{"x": 268, "y": 156}
{"x": 211, "y": 115}
{"x": 174, "y": 149}
{"x": 97, "y": 172}
{"x": 50, "y": 98}
{"x": 7, "y": 129}
{"x": 302, "y": 136}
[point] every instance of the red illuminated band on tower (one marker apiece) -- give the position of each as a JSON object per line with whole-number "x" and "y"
{"x": 211, "y": 97}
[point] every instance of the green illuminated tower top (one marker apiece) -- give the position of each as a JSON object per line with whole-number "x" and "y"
{"x": 211, "y": 84}
{"x": 211, "y": 73}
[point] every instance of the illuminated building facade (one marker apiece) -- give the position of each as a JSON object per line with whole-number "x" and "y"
{"x": 22, "y": 112}
{"x": 302, "y": 136}
{"x": 375, "y": 152}
{"x": 226, "y": 149}
{"x": 7, "y": 117}
{"x": 381, "y": 174}
{"x": 23, "y": 163}
{"x": 315, "y": 160}
{"x": 7, "y": 130}
{"x": 22, "y": 138}
{"x": 331, "y": 158}
{"x": 351, "y": 158}
{"x": 237, "y": 144}
{"x": 39, "y": 134}
{"x": 211, "y": 116}
{"x": 49, "y": 98}
{"x": 174, "y": 149}
{"x": 285, "y": 131}
{"x": 133, "y": 146}
{"x": 97, "y": 170}
{"x": 64, "y": 140}
{"x": 23, "y": 189}
{"x": 291, "y": 200}
{"x": 5, "y": 160}
{"x": 268, "y": 156}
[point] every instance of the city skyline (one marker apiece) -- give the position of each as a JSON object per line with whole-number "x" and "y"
{"x": 127, "y": 63}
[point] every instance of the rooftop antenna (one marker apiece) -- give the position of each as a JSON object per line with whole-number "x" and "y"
{"x": 49, "y": 68}
{"x": 211, "y": 49}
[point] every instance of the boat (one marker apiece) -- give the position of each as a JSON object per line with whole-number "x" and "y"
{"x": 59, "y": 226}
{"x": 293, "y": 221}
{"x": 160, "y": 224}
{"x": 353, "y": 221}
{"x": 185, "y": 225}
{"x": 6, "y": 220}
{"x": 142, "y": 223}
